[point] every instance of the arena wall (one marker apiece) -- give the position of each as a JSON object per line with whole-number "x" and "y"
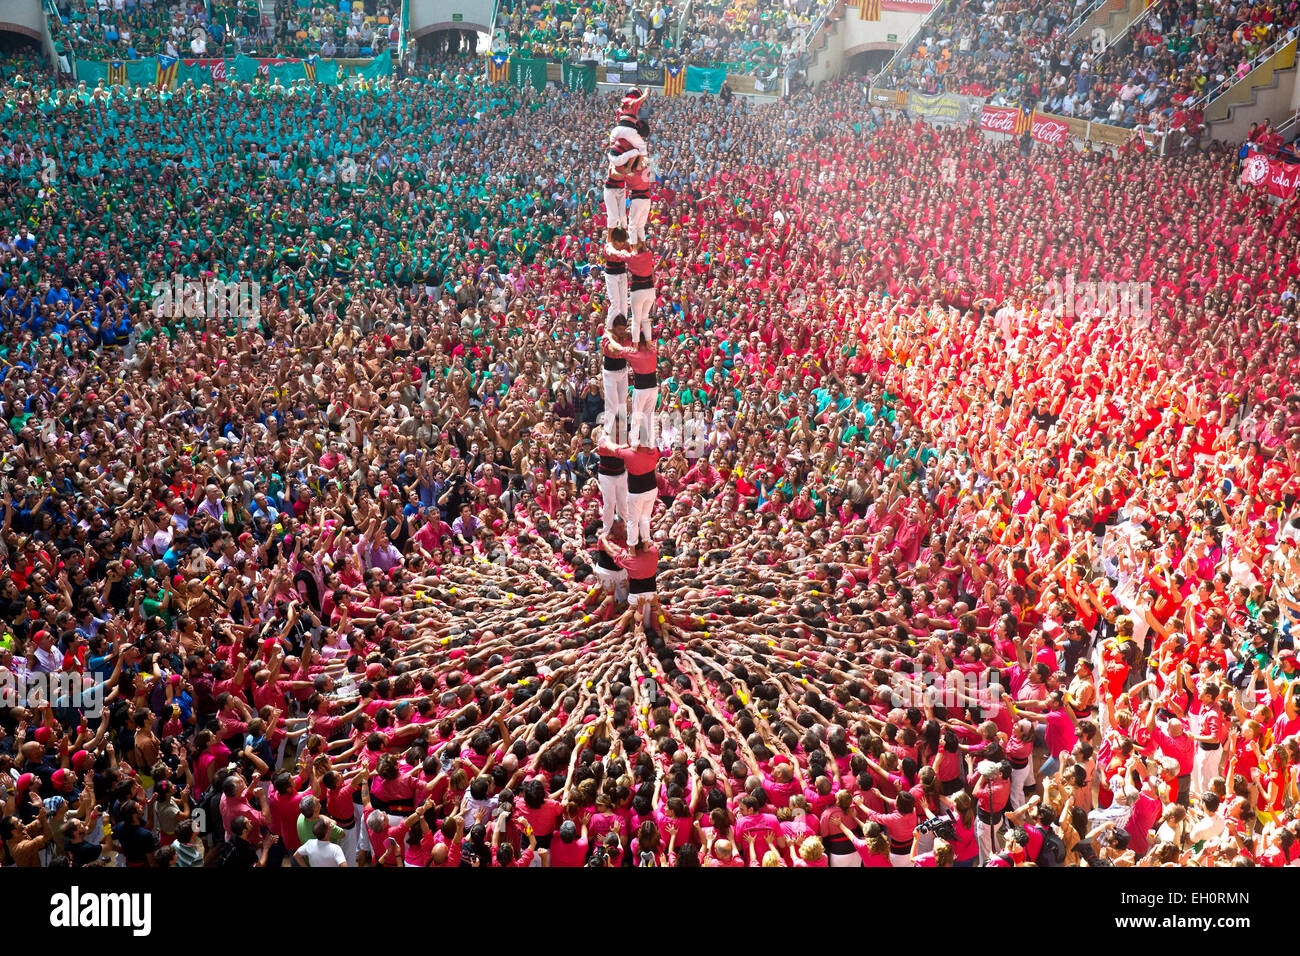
{"x": 429, "y": 16}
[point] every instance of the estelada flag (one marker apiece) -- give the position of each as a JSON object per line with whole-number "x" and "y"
{"x": 1024, "y": 119}
{"x": 869, "y": 9}
{"x": 498, "y": 68}
{"x": 309, "y": 68}
{"x": 116, "y": 74}
{"x": 168, "y": 71}
{"x": 674, "y": 80}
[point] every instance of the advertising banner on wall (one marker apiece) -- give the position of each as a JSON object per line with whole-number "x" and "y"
{"x": 942, "y": 107}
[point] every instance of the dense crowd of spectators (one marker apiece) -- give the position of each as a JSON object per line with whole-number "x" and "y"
{"x": 999, "y": 47}
{"x": 740, "y": 36}
{"x": 1161, "y": 72}
{"x": 312, "y": 27}
{"x": 563, "y": 31}
{"x": 132, "y": 29}
{"x": 936, "y": 544}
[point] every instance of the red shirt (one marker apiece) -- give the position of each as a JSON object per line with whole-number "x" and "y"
{"x": 641, "y": 264}
{"x": 640, "y": 461}
{"x": 643, "y": 360}
{"x": 640, "y": 564}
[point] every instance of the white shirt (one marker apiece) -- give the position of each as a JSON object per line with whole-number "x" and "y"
{"x": 49, "y": 661}
{"x": 320, "y": 853}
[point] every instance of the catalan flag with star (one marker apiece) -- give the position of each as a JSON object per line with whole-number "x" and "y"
{"x": 116, "y": 73}
{"x": 498, "y": 68}
{"x": 869, "y": 9}
{"x": 1024, "y": 119}
{"x": 674, "y": 80}
{"x": 168, "y": 72}
{"x": 309, "y": 68}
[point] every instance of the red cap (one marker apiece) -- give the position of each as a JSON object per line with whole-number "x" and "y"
{"x": 61, "y": 779}
{"x": 375, "y": 671}
{"x": 24, "y": 782}
{"x": 43, "y": 735}
{"x": 80, "y": 759}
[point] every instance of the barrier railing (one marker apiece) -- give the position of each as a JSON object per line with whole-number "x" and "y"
{"x": 815, "y": 28}
{"x": 888, "y": 69}
{"x": 1082, "y": 18}
{"x": 1261, "y": 59}
{"x": 1140, "y": 18}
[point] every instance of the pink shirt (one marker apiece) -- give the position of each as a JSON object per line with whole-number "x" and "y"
{"x": 284, "y": 812}
{"x": 543, "y": 819}
{"x": 764, "y": 827}
{"x": 568, "y": 854}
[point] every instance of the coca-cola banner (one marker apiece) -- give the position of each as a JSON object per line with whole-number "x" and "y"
{"x": 216, "y": 64}
{"x": 1001, "y": 119}
{"x": 1052, "y": 130}
{"x": 1265, "y": 172}
{"x": 908, "y": 6}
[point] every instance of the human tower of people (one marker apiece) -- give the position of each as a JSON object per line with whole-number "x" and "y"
{"x": 627, "y": 559}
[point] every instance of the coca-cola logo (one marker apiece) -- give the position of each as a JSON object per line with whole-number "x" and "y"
{"x": 998, "y": 120}
{"x": 1052, "y": 132}
{"x": 1254, "y": 170}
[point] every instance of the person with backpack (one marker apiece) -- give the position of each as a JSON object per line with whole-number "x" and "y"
{"x": 1043, "y": 845}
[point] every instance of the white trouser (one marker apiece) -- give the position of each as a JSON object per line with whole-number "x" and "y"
{"x": 986, "y": 837}
{"x": 637, "y": 217}
{"x": 363, "y": 835}
{"x": 640, "y": 599}
{"x": 924, "y": 843}
{"x": 643, "y": 301}
{"x": 900, "y": 859}
{"x": 640, "y": 507}
{"x": 615, "y": 208}
{"x": 1205, "y": 767}
{"x": 613, "y": 500}
{"x": 616, "y": 292}
{"x": 642, "y": 423}
{"x": 844, "y": 859}
{"x": 613, "y": 581}
{"x": 351, "y": 837}
{"x": 1020, "y": 778}
{"x": 615, "y": 400}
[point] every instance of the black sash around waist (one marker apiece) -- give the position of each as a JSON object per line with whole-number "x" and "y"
{"x": 642, "y": 282}
{"x": 637, "y": 484}
{"x": 611, "y": 465}
{"x": 615, "y": 268}
{"x": 641, "y": 585}
{"x": 645, "y": 380}
{"x": 612, "y": 364}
